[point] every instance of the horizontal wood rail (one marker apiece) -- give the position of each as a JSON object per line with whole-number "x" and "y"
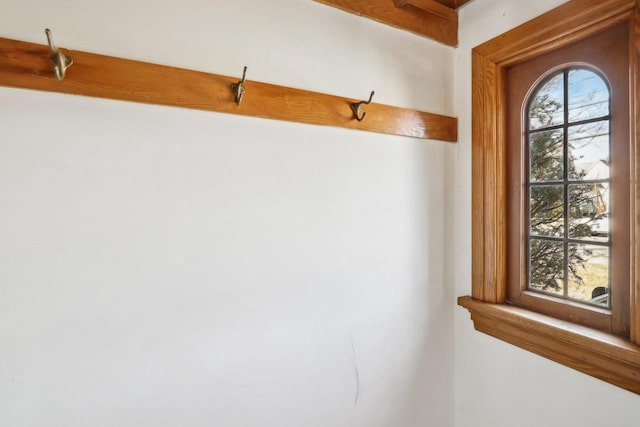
{"x": 27, "y": 65}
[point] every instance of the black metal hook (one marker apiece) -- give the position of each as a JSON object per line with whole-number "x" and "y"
{"x": 355, "y": 107}
{"x": 238, "y": 88}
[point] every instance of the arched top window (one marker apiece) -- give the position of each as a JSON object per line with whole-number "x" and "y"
{"x": 568, "y": 148}
{"x": 581, "y": 92}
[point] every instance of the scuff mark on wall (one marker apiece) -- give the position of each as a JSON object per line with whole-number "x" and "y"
{"x": 355, "y": 368}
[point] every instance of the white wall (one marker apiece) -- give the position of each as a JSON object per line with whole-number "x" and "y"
{"x": 498, "y": 384}
{"x": 165, "y": 267}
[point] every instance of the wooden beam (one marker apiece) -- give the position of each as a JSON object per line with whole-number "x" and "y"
{"x": 430, "y": 6}
{"x": 453, "y": 3}
{"x": 409, "y": 18}
{"x": 27, "y": 65}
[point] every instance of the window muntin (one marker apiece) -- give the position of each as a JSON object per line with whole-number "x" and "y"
{"x": 568, "y": 147}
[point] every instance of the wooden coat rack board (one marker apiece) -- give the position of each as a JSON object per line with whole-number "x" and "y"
{"x": 29, "y": 66}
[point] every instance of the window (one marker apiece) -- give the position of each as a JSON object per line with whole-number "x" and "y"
{"x": 568, "y": 187}
{"x": 568, "y": 151}
{"x": 519, "y": 206}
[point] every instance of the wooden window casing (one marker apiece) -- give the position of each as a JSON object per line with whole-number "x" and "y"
{"x": 601, "y": 354}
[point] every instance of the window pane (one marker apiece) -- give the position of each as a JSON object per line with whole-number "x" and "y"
{"x": 589, "y": 212}
{"x": 589, "y": 273}
{"x": 547, "y": 108}
{"x": 546, "y": 266}
{"x": 546, "y": 211}
{"x": 569, "y": 232}
{"x": 588, "y": 96}
{"x": 546, "y": 155}
{"x": 589, "y": 151}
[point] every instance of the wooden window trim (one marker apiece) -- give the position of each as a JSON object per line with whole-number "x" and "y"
{"x": 605, "y": 356}
{"x": 599, "y": 354}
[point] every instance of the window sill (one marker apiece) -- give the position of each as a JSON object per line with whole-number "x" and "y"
{"x": 601, "y": 355}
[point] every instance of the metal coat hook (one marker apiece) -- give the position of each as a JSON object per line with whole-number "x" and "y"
{"x": 355, "y": 107}
{"x": 238, "y": 88}
{"x": 60, "y": 61}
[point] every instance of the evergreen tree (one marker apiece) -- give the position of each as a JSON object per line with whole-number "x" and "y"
{"x": 546, "y": 209}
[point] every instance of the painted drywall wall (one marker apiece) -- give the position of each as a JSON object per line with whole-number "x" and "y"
{"x": 498, "y": 384}
{"x": 165, "y": 267}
